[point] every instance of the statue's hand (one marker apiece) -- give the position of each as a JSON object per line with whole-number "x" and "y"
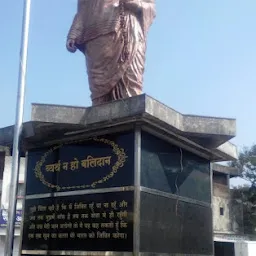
{"x": 71, "y": 45}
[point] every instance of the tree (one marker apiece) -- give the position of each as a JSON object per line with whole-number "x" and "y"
{"x": 246, "y": 163}
{"x": 246, "y": 196}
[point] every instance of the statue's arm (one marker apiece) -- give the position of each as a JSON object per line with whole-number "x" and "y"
{"x": 132, "y": 5}
{"x": 143, "y": 9}
{"x": 75, "y": 28}
{"x": 80, "y": 5}
{"x": 138, "y": 6}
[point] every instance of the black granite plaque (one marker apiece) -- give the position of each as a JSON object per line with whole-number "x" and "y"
{"x": 172, "y": 226}
{"x": 171, "y": 169}
{"x": 97, "y": 222}
{"x": 95, "y": 163}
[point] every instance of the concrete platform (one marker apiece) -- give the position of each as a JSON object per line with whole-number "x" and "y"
{"x": 208, "y": 136}
{"x": 228, "y": 170}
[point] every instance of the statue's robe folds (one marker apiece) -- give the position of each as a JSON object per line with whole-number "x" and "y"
{"x": 98, "y": 32}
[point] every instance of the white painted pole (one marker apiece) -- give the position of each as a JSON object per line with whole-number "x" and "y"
{"x": 14, "y": 177}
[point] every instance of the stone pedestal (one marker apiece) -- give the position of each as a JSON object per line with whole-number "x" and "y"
{"x": 128, "y": 177}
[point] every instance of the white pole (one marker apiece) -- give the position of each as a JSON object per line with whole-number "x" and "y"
{"x": 17, "y": 131}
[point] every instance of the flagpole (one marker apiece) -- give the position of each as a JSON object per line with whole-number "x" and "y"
{"x": 14, "y": 177}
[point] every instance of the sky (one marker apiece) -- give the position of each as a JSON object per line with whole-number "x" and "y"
{"x": 201, "y": 59}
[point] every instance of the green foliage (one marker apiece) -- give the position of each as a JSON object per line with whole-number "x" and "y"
{"x": 246, "y": 163}
{"x": 247, "y": 196}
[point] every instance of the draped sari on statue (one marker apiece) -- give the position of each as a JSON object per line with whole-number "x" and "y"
{"x": 112, "y": 35}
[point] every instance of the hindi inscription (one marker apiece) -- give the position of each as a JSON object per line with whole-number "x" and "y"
{"x": 89, "y": 164}
{"x": 98, "y": 222}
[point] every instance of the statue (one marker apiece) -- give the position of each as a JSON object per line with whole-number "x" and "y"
{"x": 112, "y": 35}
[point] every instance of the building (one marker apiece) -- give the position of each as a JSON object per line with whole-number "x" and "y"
{"x": 229, "y": 237}
{"x": 5, "y": 171}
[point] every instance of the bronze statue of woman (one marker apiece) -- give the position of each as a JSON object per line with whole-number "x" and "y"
{"x": 112, "y": 35}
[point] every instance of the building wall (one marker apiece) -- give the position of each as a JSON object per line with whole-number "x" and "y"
{"x": 6, "y": 182}
{"x": 251, "y": 248}
{"x": 221, "y": 200}
{"x": 227, "y": 213}
{"x": 5, "y": 201}
{"x": 245, "y": 248}
{"x": 16, "y": 245}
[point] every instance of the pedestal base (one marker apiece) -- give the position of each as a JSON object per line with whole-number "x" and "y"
{"x": 129, "y": 177}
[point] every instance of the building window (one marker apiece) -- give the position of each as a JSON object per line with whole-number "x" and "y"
{"x": 221, "y": 211}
